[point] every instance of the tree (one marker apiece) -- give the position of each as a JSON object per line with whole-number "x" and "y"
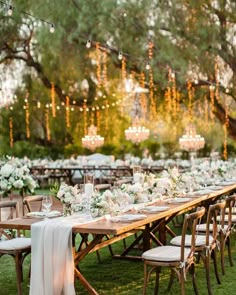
{"x": 188, "y": 37}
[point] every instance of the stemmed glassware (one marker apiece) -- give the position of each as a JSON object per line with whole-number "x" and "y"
{"x": 46, "y": 204}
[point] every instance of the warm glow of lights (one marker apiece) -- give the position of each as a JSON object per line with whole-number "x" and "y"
{"x": 191, "y": 141}
{"x": 137, "y": 133}
{"x": 92, "y": 140}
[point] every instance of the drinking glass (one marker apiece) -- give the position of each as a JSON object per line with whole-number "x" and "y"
{"x": 46, "y": 204}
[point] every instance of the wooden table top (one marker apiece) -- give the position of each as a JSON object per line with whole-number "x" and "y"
{"x": 116, "y": 228}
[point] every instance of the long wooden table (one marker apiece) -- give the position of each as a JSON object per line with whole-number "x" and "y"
{"x": 104, "y": 232}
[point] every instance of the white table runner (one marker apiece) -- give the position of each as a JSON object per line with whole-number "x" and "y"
{"x": 52, "y": 263}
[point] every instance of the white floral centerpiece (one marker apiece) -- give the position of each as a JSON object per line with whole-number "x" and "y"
{"x": 69, "y": 196}
{"x": 16, "y": 176}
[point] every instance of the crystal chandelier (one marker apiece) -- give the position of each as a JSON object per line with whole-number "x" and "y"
{"x": 191, "y": 141}
{"x": 137, "y": 133}
{"x": 92, "y": 140}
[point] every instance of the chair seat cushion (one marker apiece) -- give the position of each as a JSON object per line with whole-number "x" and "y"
{"x": 202, "y": 227}
{"x": 227, "y": 218}
{"x": 200, "y": 240}
{"x": 15, "y": 244}
{"x": 233, "y": 210}
{"x": 165, "y": 254}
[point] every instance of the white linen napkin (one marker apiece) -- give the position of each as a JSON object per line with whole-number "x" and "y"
{"x": 52, "y": 263}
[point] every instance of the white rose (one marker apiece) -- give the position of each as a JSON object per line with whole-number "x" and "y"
{"x": 18, "y": 184}
{"x": 6, "y": 170}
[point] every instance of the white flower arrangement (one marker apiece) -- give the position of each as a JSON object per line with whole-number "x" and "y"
{"x": 16, "y": 176}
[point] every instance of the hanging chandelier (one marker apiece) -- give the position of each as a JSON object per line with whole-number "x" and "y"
{"x": 92, "y": 140}
{"x": 137, "y": 133}
{"x": 191, "y": 141}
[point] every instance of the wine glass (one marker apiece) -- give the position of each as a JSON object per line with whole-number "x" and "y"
{"x": 46, "y": 204}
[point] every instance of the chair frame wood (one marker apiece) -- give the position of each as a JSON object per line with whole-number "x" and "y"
{"x": 182, "y": 266}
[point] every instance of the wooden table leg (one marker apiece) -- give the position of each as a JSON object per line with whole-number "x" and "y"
{"x": 85, "y": 283}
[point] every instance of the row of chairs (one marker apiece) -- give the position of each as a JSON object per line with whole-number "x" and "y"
{"x": 203, "y": 241}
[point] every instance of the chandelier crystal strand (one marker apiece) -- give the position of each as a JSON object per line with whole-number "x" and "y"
{"x": 137, "y": 133}
{"x": 191, "y": 141}
{"x": 92, "y": 140}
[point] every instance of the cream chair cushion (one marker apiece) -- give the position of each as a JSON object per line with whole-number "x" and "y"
{"x": 199, "y": 241}
{"x": 202, "y": 227}
{"x": 165, "y": 254}
{"x": 227, "y": 217}
{"x": 15, "y": 244}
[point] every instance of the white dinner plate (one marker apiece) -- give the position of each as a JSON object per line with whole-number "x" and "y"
{"x": 130, "y": 217}
{"x": 225, "y": 183}
{"x": 178, "y": 200}
{"x": 203, "y": 192}
{"x": 41, "y": 214}
{"x": 214, "y": 187}
{"x": 155, "y": 209}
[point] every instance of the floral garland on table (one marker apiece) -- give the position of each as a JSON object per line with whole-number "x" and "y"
{"x": 16, "y": 176}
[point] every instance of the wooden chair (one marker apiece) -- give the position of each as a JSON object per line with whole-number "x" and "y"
{"x": 17, "y": 247}
{"x": 35, "y": 201}
{"x": 102, "y": 186}
{"x": 207, "y": 240}
{"x": 226, "y": 231}
{"x": 179, "y": 259}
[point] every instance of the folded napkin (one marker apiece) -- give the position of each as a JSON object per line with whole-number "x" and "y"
{"x": 52, "y": 263}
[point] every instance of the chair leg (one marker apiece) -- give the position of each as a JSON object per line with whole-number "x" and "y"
{"x": 145, "y": 279}
{"x": 171, "y": 281}
{"x": 19, "y": 276}
{"x": 182, "y": 282}
{"x": 206, "y": 260}
{"x": 222, "y": 257}
{"x": 214, "y": 257}
{"x": 158, "y": 270}
{"x": 192, "y": 271}
{"x": 229, "y": 251}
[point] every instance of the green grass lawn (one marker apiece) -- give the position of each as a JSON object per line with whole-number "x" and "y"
{"x": 116, "y": 276}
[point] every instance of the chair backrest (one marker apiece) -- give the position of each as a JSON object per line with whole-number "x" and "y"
{"x": 213, "y": 223}
{"x": 190, "y": 222}
{"x": 33, "y": 201}
{"x": 9, "y": 210}
{"x": 230, "y": 203}
{"x": 102, "y": 186}
{"x": 123, "y": 181}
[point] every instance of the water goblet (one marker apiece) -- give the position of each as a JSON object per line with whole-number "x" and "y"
{"x": 46, "y": 204}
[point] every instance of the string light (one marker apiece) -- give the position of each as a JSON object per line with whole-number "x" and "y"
{"x": 48, "y": 133}
{"x": 98, "y": 61}
{"x": 212, "y": 98}
{"x": 11, "y": 132}
{"x": 53, "y": 100}
{"x": 67, "y": 112}
{"x": 10, "y": 10}
{"x": 148, "y": 66}
{"x": 120, "y": 55}
{"x": 27, "y": 116}
{"x": 88, "y": 43}
{"x": 52, "y": 28}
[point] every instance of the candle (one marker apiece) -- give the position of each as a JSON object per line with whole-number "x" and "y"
{"x": 88, "y": 189}
{"x": 137, "y": 177}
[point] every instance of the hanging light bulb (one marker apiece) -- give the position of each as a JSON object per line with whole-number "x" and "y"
{"x": 120, "y": 55}
{"x": 212, "y": 87}
{"x": 148, "y": 67}
{"x": 10, "y": 10}
{"x": 196, "y": 81}
{"x": 52, "y": 28}
{"x": 173, "y": 75}
{"x": 88, "y": 43}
